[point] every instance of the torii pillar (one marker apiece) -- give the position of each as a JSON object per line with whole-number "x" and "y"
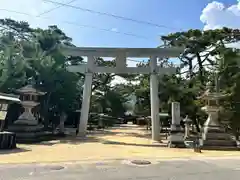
{"x": 154, "y": 99}
{"x": 87, "y": 93}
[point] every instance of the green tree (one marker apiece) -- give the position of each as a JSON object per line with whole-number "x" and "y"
{"x": 230, "y": 84}
{"x": 35, "y": 53}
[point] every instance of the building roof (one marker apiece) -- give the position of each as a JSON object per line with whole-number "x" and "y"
{"x": 9, "y": 97}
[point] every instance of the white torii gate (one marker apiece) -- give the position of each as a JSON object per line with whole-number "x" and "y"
{"x": 121, "y": 55}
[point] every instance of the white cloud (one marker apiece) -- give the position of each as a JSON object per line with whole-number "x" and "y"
{"x": 114, "y": 29}
{"x": 217, "y": 15}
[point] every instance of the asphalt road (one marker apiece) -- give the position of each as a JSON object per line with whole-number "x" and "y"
{"x": 212, "y": 169}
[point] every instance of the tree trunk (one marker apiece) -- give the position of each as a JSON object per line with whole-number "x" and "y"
{"x": 196, "y": 123}
{"x": 199, "y": 60}
{"x": 190, "y": 68}
{"x": 237, "y": 136}
{"x": 45, "y": 111}
{"x": 236, "y": 133}
{"x": 63, "y": 118}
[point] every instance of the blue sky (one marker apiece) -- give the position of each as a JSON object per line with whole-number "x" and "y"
{"x": 180, "y": 14}
{"x": 172, "y": 13}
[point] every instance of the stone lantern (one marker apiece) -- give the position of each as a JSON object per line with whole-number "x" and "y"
{"x": 213, "y": 134}
{"x": 27, "y": 126}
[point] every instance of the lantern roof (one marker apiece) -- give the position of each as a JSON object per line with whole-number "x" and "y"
{"x": 29, "y": 89}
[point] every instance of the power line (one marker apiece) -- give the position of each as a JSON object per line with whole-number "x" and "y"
{"x": 103, "y": 29}
{"x": 7, "y": 10}
{"x": 80, "y": 25}
{"x": 52, "y": 9}
{"x": 113, "y": 15}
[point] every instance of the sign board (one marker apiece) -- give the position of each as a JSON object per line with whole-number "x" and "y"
{"x": 3, "y": 115}
{"x": 3, "y": 111}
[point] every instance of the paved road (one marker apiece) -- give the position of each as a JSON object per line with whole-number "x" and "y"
{"x": 161, "y": 170}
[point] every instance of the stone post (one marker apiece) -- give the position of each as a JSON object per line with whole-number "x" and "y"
{"x": 175, "y": 116}
{"x": 176, "y": 138}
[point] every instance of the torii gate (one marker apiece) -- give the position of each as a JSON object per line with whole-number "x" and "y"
{"x": 121, "y": 55}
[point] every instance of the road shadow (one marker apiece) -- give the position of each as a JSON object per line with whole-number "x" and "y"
{"x": 144, "y": 135}
{"x": 78, "y": 140}
{"x": 133, "y": 134}
{"x": 133, "y": 144}
{"x": 98, "y": 136}
{"x": 92, "y": 137}
{"x": 68, "y": 140}
{"x": 125, "y": 126}
{"x": 13, "y": 151}
{"x": 101, "y": 133}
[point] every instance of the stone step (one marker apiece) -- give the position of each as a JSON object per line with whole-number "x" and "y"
{"x": 219, "y": 143}
{"x": 220, "y": 148}
{"x": 214, "y": 130}
{"x": 220, "y": 136}
{"x": 190, "y": 138}
{"x": 25, "y": 128}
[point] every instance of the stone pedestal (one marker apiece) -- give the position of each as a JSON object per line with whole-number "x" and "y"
{"x": 176, "y": 138}
{"x": 27, "y": 128}
{"x": 27, "y": 133}
{"x": 213, "y": 135}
